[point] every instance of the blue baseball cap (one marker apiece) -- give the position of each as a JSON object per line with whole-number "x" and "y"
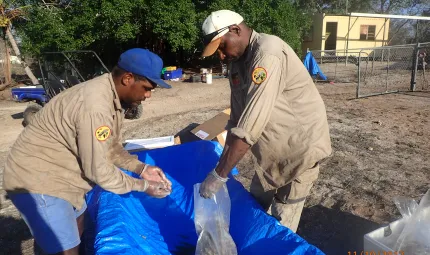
{"x": 144, "y": 63}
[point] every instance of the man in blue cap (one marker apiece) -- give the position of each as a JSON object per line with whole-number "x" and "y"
{"x": 74, "y": 143}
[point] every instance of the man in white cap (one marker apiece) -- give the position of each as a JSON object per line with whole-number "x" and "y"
{"x": 276, "y": 110}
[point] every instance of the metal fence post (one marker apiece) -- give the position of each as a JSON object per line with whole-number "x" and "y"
{"x": 335, "y": 67}
{"x": 388, "y": 70}
{"x": 414, "y": 67}
{"x": 359, "y": 76}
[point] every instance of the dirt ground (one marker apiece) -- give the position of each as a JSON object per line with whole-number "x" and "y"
{"x": 381, "y": 150}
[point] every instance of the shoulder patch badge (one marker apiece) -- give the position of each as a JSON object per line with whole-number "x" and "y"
{"x": 259, "y": 75}
{"x": 103, "y": 133}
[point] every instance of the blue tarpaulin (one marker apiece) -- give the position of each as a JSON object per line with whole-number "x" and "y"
{"x": 312, "y": 66}
{"x": 135, "y": 223}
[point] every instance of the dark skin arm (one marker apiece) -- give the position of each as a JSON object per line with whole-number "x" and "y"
{"x": 234, "y": 150}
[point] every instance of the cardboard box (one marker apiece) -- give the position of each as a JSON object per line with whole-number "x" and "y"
{"x": 214, "y": 129}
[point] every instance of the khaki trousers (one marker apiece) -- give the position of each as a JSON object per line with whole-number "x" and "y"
{"x": 287, "y": 202}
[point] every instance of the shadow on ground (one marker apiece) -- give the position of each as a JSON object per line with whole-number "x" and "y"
{"x": 14, "y": 233}
{"x": 417, "y": 94}
{"x": 333, "y": 231}
{"x": 18, "y": 116}
{"x": 185, "y": 134}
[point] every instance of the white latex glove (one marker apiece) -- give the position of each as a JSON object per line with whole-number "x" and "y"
{"x": 157, "y": 189}
{"x": 212, "y": 184}
{"x": 154, "y": 173}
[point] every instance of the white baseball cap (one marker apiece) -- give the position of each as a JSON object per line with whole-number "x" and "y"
{"x": 215, "y": 26}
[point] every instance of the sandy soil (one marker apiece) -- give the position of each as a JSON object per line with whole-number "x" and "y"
{"x": 380, "y": 151}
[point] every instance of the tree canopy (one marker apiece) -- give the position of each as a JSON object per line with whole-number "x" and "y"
{"x": 171, "y": 28}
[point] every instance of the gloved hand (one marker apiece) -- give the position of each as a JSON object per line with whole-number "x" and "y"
{"x": 157, "y": 189}
{"x": 154, "y": 173}
{"x": 211, "y": 184}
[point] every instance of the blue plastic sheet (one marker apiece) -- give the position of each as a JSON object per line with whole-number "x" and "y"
{"x": 312, "y": 66}
{"x": 135, "y": 223}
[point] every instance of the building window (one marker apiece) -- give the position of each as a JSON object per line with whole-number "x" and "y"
{"x": 309, "y": 34}
{"x": 367, "y": 32}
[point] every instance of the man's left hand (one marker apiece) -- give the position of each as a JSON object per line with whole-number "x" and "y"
{"x": 154, "y": 173}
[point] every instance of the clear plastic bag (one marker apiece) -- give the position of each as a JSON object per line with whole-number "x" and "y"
{"x": 406, "y": 206}
{"x": 212, "y": 221}
{"x": 415, "y": 237}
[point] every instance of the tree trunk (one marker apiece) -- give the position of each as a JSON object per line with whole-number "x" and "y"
{"x": 6, "y": 65}
{"x": 6, "y": 72}
{"x": 12, "y": 42}
{"x": 18, "y": 54}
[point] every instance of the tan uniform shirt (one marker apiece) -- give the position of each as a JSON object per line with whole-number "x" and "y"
{"x": 72, "y": 144}
{"x": 277, "y": 108}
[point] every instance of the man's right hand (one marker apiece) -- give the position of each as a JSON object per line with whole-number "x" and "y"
{"x": 158, "y": 189}
{"x": 154, "y": 173}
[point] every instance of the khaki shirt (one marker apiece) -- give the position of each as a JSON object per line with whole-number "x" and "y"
{"x": 73, "y": 143}
{"x": 277, "y": 109}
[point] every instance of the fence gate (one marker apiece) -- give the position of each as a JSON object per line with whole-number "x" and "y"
{"x": 385, "y": 70}
{"x": 422, "y": 68}
{"x": 338, "y": 65}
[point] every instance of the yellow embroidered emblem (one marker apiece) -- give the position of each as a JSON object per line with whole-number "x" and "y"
{"x": 103, "y": 133}
{"x": 259, "y": 75}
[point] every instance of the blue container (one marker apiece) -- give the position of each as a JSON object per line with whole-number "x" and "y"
{"x": 135, "y": 223}
{"x": 175, "y": 74}
{"x": 29, "y": 93}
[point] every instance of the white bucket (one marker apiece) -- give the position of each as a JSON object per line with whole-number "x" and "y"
{"x": 205, "y": 72}
{"x": 209, "y": 78}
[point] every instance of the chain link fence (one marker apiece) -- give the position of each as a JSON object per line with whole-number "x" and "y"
{"x": 338, "y": 65}
{"x": 393, "y": 69}
{"x": 379, "y": 70}
{"x": 385, "y": 70}
{"x": 422, "y": 75}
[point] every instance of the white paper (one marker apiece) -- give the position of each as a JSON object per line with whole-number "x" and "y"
{"x": 202, "y": 134}
{"x": 150, "y": 143}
